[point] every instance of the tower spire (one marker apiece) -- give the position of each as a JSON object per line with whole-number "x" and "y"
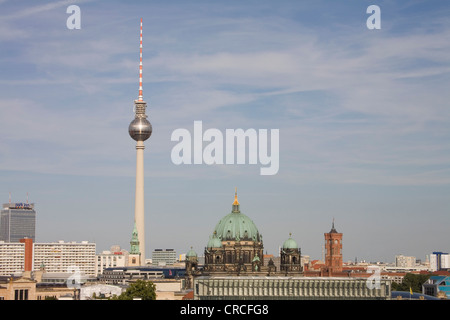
{"x": 236, "y": 202}
{"x": 140, "y": 104}
{"x": 333, "y": 230}
{"x": 134, "y": 241}
{"x": 140, "y": 97}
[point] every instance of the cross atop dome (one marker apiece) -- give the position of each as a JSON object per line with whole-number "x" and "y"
{"x": 235, "y": 197}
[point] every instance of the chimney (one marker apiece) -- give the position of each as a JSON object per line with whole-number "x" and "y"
{"x": 28, "y": 263}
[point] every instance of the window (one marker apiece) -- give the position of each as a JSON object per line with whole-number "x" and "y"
{"x": 429, "y": 291}
{"x": 21, "y": 294}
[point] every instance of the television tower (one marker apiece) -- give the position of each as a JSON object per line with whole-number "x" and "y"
{"x": 140, "y": 130}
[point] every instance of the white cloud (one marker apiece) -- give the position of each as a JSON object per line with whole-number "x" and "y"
{"x": 229, "y": 62}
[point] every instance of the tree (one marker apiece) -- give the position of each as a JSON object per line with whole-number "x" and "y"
{"x": 411, "y": 281}
{"x": 145, "y": 290}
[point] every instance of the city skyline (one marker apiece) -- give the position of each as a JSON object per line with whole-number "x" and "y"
{"x": 362, "y": 116}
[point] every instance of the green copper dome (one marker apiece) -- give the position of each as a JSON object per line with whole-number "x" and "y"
{"x": 290, "y": 244}
{"x": 214, "y": 242}
{"x": 237, "y": 226}
{"x": 191, "y": 253}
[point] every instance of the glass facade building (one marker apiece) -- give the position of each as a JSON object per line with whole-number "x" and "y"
{"x": 162, "y": 257}
{"x": 17, "y": 221}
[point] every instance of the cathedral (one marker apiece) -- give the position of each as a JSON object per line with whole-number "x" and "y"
{"x": 236, "y": 248}
{"x": 236, "y": 269}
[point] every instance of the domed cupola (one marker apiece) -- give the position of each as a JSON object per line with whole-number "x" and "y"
{"x": 290, "y": 256}
{"x": 290, "y": 243}
{"x": 214, "y": 241}
{"x": 236, "y": 226}
{"x": 191, "y": 254}
{"x": 235, "y": 246}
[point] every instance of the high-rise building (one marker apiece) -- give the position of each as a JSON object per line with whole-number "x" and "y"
{"x": 140, "y": 130}
{"x": 439, "y": 261}
{"x": 402, "y": 261}
{"x": 55, "y": 257}
{"x": 17, "y": 221}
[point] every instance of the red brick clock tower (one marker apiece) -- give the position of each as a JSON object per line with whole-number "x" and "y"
{"x": 333, "y": 250}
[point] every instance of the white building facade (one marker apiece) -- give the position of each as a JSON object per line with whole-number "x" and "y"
{"x": 163, "y": 257}
{"x": 12, "y": 258}
{"x": 110, "y": 259}
{"x": 66, "y": 257}
{"x": 439, "y": 261}
{"x": 405, "y": 261}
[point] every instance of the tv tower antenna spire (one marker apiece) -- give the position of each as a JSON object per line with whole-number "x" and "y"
{"x": 140, "y": 97}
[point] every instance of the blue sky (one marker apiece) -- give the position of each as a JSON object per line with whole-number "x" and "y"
{"x": 363, "y": 118}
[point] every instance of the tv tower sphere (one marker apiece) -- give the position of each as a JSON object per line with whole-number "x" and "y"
{"x": 140, "y": 129}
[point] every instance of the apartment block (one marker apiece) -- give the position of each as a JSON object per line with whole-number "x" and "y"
{"x": 66, "y": 257}
{"x": 12, "y": 258}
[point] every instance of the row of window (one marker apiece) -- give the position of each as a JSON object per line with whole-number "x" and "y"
{"x": 21, "y": 294}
